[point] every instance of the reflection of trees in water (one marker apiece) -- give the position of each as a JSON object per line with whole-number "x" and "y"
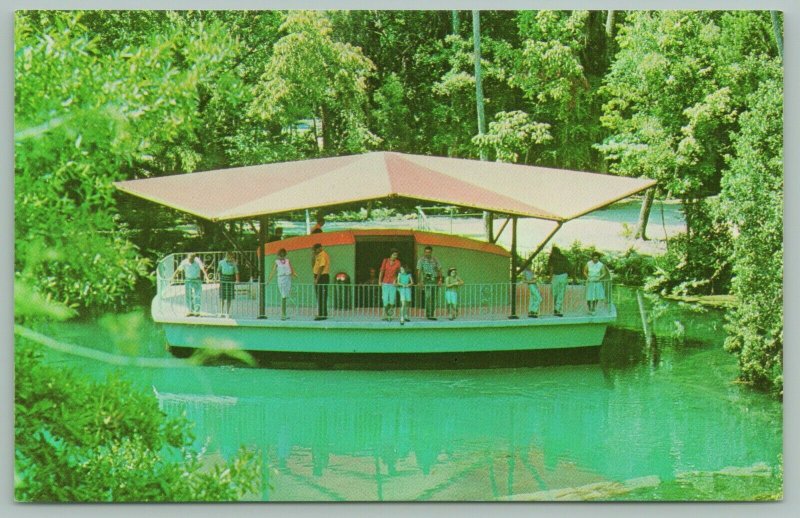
{"x": 623, "y": 418}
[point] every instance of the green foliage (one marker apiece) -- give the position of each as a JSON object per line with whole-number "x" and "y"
{"x": 550, "y": 68}
{"x": 674, "y": 91}
{"x": 83, "y": 441}
{"x": 311, "y": 76}
{"x": 85, "y": 118}
{"x": 392, "y": 115}
{"x": 512, "y": 134}
{"x": 753, "y": 193}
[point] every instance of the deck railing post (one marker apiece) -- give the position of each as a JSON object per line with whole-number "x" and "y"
{"x": 263, "y": 222}
{"x": 513, "y": 314}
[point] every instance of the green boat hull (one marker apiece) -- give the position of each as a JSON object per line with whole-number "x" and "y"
{"x": 415, "y": 337}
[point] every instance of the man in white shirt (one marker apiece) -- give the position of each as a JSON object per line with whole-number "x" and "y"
{"x": 192, "y": 267}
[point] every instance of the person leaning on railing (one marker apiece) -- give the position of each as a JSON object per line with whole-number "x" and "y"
{"x": 192, "y": 267}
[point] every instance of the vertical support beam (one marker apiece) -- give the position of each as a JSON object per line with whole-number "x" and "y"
{"x": 513, "y": 314}
{"x": 263, "y": 224}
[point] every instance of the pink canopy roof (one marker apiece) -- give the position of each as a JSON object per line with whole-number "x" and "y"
{"x": 247, "y": 192}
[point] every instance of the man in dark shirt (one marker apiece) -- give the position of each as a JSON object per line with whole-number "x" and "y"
{"x": 429, "y": 275}
{"x": 558, "y": 267}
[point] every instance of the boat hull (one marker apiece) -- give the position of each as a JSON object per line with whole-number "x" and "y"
{"x": 415, "y": 337}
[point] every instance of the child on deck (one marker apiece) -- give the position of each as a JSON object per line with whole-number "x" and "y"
{"x": 451, "y": 284}
{"x": 404, "y": 282}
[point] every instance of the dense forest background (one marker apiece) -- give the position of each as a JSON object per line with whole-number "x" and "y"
{"x": 692, "y": 99}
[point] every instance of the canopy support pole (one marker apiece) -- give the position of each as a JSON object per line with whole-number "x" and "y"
{"x": 539, "y": 248}
{"x": 263, "y": 223}
{"x": 513, "y": 314}
{"x": 497, "y": 236}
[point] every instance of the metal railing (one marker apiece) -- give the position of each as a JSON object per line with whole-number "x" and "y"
{"x": 361, "y": 302}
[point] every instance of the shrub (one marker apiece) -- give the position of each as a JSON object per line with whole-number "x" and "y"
{"x": 83, "y": 441}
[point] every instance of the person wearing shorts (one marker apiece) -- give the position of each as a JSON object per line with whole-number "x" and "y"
{"x": 388, "y": 277}
{"x": 404, "y": 282}
{"x": 451, "y": 284}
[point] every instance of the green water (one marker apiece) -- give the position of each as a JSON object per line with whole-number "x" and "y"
{"x": 662, "y": 413}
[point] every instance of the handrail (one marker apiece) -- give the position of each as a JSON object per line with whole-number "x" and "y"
{"x": 363, "y": 302}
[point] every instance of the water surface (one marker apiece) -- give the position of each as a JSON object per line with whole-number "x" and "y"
{"x": 657, "y": 407}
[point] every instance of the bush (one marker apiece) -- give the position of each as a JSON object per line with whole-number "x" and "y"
{"x": 696, "y": 263}
{"x": 83, "y": 441}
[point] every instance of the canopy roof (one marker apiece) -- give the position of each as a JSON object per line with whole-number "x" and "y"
{"x": 261, "y": 190}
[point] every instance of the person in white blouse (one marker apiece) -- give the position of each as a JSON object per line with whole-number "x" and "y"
{"x": 285, "y": 272}
{"x": 596, "y": 273}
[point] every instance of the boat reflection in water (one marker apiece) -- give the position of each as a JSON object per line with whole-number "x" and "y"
{"x": 460, "y": 435}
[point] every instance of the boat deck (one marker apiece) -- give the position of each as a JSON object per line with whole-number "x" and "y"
{"x": 474, "y": 307}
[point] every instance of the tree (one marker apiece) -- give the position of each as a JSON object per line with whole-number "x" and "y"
{"x": 752, "y": 192}
{"x": 115, "y": 95}
{"x": 311, "y": 76}
{"x": 669, "y": 119}
{"x": 551, "y": 68}
{"x": 512, "y": 135}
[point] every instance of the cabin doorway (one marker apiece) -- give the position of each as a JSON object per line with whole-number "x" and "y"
{"x": 370, "y": 252}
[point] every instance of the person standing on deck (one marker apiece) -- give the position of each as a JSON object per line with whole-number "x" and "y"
{"x": 404, "y": 282}
{"x": 388, "y": 277}
{"x": 285, "y": 272}
{"x": 595, "y": 272}
{"x": 558, "y": 267}
{"x": 451, "y": 284}
{"x": 429, "y": 275}
{"x": 192, "y": 267}
{"x": 321, "y": 270}
{"x": 228, "y": 276}
{"x": 535, "y": 297}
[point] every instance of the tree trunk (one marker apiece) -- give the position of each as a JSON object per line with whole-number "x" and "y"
{"x": 476, "y": 36}
{"x": 644, "y": 214}
{"x": 610, "y": 24}
{"x": 325, "y": 144}
{"x": 776, "y": 29}
{"x": 609, "y": 36}
{"x": 456, "y": 23}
